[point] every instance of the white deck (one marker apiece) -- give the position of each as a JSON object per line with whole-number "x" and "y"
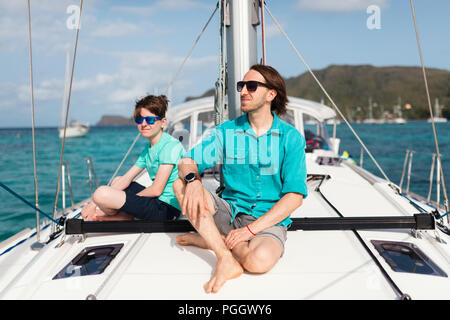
{"x": 316, "y": 264}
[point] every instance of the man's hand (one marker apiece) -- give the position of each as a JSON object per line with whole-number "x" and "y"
{"x": 236, "y": 236}
{"x": 194, "y": 202}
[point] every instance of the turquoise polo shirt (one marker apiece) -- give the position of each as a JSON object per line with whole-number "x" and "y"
{"x": 258, "y": 171}
{"x": 167, "y": 150}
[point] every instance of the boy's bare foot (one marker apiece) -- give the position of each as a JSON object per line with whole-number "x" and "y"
{"x": 88, "y": 210}
{"x": 121, "y": 216}
{"x": 227, "y": 268}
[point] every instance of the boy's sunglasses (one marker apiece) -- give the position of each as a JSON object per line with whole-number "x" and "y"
{"x": 149, "y": 120}
{"x": 252, "y": 86}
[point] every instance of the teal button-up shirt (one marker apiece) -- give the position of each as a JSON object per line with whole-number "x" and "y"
{"x": 258, "y": 171}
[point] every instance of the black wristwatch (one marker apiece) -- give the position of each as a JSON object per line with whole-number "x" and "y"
{"x": 192, "y": 177}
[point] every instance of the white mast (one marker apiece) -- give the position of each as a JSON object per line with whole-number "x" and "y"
{"x": 241, "y": 18}
{"x": 66, "y": 80}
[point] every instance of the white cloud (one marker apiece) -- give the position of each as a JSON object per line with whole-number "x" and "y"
{"x": 181, "y": 4}
{"x": 105, "y": 81}
{"x": 338, "y": 5}
{"x": 168, "y": 5}
{"x": 46, "y": 90}
{"x": 271, "y": 30}
{"x": 114, "y": 29}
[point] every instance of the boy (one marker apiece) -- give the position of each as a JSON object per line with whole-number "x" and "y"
{"x": 125, "y": 199}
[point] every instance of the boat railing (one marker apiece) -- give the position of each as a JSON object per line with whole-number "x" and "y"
{"x": 91, "y": 174}
{"x": 65, "y": 167}
{"x": 65, "y": 174}
{"x": 408, "y": 174}
{"x": 434, "y": 171}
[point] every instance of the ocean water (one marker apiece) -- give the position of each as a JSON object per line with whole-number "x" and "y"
{"x": 107, "y": 146}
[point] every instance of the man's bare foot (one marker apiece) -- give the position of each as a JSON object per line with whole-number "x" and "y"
{"x": 227, "y": 268}
{"x": 191, "y": 239}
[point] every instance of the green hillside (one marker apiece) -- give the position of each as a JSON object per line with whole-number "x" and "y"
{"x": 352, "y": 86}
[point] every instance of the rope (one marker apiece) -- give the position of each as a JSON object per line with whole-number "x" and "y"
{"x": 328, "y": 96}
{"x": 442, "y": 216}
{"x": 192, "y": 48}
{"x": 219, "y": 98}
{"x": 36, "y": 193}
{"x": 67, "y": 116}
{"x": 429, "y": 104}
{"x": 124, "y": 158}
{"x": 168, "y": 87}
{"x": 27, "y": 203}
{"x": 395, "y": 287}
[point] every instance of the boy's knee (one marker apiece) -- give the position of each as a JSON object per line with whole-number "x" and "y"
{"x": 100, "y": 195}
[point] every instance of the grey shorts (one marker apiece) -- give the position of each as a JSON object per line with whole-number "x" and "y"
{"x": 222, "y": 219}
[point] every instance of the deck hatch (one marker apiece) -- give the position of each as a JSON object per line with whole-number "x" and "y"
{"x": 90, "y": 261}
{"x": 407, "y": 257}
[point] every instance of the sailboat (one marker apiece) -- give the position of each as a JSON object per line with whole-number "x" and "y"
{"x": 75, "y": 128}
{"x": 437, "y": 113}
{"x": 398, "y": 111}
{"x": 370, "y": 119}
{"x": 357, "y": 235}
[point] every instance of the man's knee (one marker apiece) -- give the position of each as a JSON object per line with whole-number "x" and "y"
{"x": 261, "y": 260}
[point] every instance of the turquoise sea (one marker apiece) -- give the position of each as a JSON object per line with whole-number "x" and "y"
{"x": 108, "y": 145}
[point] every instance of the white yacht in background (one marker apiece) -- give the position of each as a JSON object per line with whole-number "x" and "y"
{"x": 356, "y": 236}
{"x": 437, "y": 113}
{"x": 75, "y": 129}
{"x": 398, "y": 112}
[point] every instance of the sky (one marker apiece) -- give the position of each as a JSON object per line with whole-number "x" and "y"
{"x": 128, "y": 49}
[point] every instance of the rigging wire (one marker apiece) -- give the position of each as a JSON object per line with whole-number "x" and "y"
{"x": 429, "y": 106}
{"x": 123, "y": 159}
{"x": 168, "y": 87}
{"x": 219, "y": 98}
{"x": 192, "y": 48}
{"x": 55, "y": 209}
{"x": 36, "y": 193}
{"x": 395, "y": 287}
{"x": 26, "y": 202}
{"x": 328, "y": 96}
{"x": 262, "y": 33}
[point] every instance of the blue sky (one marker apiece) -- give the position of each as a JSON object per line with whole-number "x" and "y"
{"x": 130, "y": 48}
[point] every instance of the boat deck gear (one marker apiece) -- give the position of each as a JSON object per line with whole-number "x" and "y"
{"x": 420, "y": 221}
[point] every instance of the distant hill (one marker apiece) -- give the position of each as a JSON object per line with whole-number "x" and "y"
{"x": 351, "y": 86}
{"x": 108, "y": 120}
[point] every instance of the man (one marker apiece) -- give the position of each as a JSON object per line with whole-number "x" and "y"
{"x": 264, "y": 178}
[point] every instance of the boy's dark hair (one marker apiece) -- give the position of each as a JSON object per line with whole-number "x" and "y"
{"x": 155, "y": 104}
{"x": 276, "y": 82}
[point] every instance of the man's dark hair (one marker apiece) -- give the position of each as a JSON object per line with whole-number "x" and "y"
{"x": 276, "y": 82}
{"x": 155, "y": 104}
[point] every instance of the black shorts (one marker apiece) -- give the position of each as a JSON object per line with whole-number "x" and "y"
{"x": 147, "y": 208}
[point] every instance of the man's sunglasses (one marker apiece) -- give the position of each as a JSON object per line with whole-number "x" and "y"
{"x": 252, "y": 86}
{"x": 149, "y": 120}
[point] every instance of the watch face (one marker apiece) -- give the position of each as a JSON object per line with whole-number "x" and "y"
{"x": 190, "y": 177}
